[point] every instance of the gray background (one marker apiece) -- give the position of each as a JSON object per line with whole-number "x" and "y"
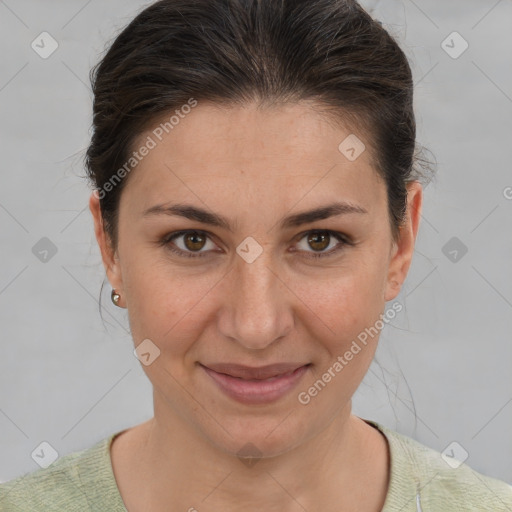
{"x": 445, "y": 371}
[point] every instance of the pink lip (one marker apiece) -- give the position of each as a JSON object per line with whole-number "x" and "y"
{"x": 256, "y": 385}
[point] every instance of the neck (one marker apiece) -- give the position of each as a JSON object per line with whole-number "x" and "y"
{"x": 177, "y": 464}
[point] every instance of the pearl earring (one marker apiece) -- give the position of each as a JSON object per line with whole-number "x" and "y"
{"x": 115, "y": 297}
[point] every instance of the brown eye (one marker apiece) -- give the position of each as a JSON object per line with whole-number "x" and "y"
{"x": 189, "y": 243}
{"x": 316, "y": 243}
{"x": 319, "y": 241}
{"x": 194, "y": 241}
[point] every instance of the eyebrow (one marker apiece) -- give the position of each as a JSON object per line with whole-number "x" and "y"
{"x": 213, "y": 219}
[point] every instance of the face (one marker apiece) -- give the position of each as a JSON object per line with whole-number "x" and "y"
{"x": 242, "y": 274}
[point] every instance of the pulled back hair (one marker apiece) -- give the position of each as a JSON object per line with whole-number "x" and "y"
{"x": 232, "y": 52}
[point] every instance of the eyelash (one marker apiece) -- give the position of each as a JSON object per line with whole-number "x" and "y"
{"x": 166, "y": 241}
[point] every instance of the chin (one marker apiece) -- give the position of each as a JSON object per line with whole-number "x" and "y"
{"x": 259, "y": 437}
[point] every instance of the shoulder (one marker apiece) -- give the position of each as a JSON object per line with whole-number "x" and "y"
{"x": 75, "y": 482}
{"x": 429, "y": 480}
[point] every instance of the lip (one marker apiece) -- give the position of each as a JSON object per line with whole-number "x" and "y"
{"x": 256, "y": 385}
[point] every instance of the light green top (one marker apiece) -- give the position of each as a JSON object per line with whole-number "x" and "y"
{"x": 420, "y": 481}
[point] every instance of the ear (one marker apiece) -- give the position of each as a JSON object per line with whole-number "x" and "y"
{"x": 403, "y": 249}
{"x": 109, "y": 257}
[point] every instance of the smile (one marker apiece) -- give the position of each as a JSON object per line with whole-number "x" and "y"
{"x": 256, "y": 385}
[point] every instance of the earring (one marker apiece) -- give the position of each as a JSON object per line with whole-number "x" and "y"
{"x": 115, "y": 297}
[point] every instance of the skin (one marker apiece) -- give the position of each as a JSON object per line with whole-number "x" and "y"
{"x": 254, "y": 166}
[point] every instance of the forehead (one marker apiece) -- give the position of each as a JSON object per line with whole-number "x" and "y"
{"x": 283, "y": 152}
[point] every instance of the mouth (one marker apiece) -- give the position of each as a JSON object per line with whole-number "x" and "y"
{"x": 256, "y": 385}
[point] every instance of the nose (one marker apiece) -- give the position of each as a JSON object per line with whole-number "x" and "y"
{"x": 257, "y": 305}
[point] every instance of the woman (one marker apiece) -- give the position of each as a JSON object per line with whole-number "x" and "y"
{"x": 257, "y": 200}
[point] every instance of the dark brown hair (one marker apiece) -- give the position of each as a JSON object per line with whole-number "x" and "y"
{"x": 330, "y": 52}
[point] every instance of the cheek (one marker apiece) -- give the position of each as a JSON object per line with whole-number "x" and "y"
{"x": 165, "y": 306}
{"x": 350, "y": 300}
{"x": 350, "y": 306}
